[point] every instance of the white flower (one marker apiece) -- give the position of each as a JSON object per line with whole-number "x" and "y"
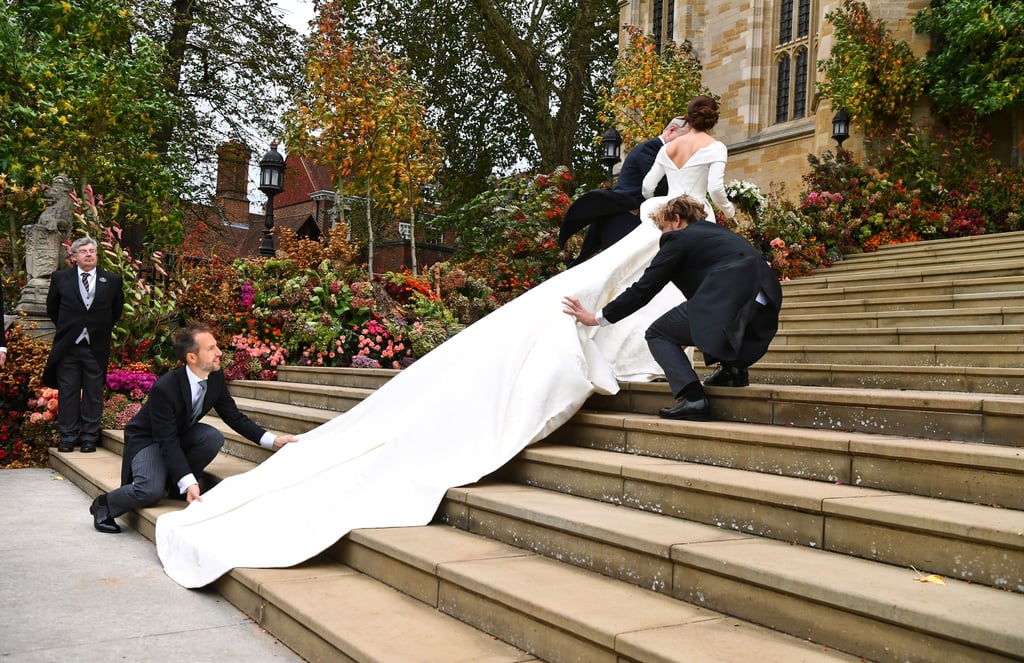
{"x": 747, "y": 196}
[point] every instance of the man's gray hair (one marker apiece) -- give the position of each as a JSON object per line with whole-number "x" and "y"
{"x": 83, "y": 241}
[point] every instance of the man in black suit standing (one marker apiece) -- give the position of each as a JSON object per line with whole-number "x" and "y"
{"x": 85, "y": 303}
{"x": 609, "y": 214}
{"x": 165, "y": 443}
{"x": 731, "y": 312}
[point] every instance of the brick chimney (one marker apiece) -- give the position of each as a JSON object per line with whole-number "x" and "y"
{"x": 233, "y": 181}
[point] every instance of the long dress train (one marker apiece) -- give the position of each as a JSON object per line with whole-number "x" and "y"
{"x": 457, "y": 414}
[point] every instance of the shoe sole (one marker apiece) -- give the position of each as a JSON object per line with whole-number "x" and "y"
{"x": 686, "y": 417}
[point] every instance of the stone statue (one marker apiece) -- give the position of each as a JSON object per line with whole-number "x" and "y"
{"x": 44, "y": 250}
{"x": 44, "y": 239}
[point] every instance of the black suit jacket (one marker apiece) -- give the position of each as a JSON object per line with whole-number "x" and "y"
{"x": 66, "y": 308}
{"x": 167, "y": 415}
{"x": 721, "y": 275}
{"x": 631, "y": 176}
{"x": 609, "y": 212}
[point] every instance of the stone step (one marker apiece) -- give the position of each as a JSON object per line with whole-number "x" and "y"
{"x": 1012, "y": 266}
{"x": 321, "y": 609}
{"x": 283, "y": 416}
{"x": 981, "y": 418}
{"x": 928, "y": 256}
{"x": 821, "y": 292}
{"x": 559, "y": 612}
{"x": 972, "y": 542}
{"x": 769, "y": 581}
{"x": 357, "y": 378}
{"x": 891, "y": 301}
{"x": 920, "y": 378}
{"x": 300, "y": 394}
{"x": 947, "y": 248}
{"x": 950, "y": 470}
{"x": 999, "y": 334}
{"x": 935, "y": 318}
{"x": 329, "y": 608}
{"x": 870, "y": 354}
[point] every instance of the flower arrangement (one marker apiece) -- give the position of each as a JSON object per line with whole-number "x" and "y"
{"x": 252, "y": 358}
{"x": 135, "y": 379}
{"x": 747, "y": 197}
{"x": 118, "y": 410}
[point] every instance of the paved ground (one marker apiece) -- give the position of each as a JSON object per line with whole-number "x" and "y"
{"x": 70, "y": 593}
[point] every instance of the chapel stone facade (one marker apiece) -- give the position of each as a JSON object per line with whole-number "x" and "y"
{"x": 760, "y": 57}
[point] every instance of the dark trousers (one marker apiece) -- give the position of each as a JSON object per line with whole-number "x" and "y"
{"x": 80, "y": 384}
{"x": 666, "y": 338}
{"x": 149, "y": 485}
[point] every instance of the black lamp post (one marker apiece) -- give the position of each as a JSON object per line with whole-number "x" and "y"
{"x": 840, "y": 127}
{"x": 611, "y": 144}
{"x": 271, "y": 183}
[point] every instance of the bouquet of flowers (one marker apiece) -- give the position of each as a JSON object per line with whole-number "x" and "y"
{"x": 747, "y": 197}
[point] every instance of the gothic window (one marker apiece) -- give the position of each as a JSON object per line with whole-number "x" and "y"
{"x": 782, "y": 98}
{"x": 793, "y": 60}
{"x": 662, "y": 21}
{"x": 800, "y": 85}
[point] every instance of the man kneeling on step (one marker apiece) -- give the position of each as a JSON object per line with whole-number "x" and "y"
{"x": 165, "y": 443}
{"x": 731, "y": 312}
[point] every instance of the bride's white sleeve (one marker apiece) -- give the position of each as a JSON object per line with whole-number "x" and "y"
{"x": 716, "y": 188}
{"x": 652, "y": 178}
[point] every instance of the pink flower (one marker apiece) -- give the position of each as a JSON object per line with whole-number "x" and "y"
{"x": 777, "y": 243}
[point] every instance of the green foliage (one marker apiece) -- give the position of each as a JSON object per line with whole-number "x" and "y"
{"x": 514, "y": 228}
{"x": 150, "y": 299}
{"x": 229, "y": 65}
{"x": 650, "y": 88}
{"x": 80, "y": 94}
{"x": 876, "y": 79}
{"x": 364, "y": 117}
{"x": 977, "y": 61}
{"x": 507, "y": 82}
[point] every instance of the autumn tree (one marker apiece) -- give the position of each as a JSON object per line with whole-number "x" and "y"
{"x": 874, "y": 77}
{"x": 364, "y": 117}
{"x": 509, "y": 84}
{"x": 230, "y": 66}
{"x": 977, "y": 55}
{"x": 650, "y": 88}
{"x": 81, "y": 95}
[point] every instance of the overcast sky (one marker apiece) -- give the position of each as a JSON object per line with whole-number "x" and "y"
{"x": 297, "y": 13}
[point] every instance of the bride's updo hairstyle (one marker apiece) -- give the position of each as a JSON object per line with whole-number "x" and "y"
{"x": 702, "y": 113}
{"x": 686, "y": 207}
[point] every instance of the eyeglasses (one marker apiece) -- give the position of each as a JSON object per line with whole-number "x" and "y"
{"x": 86, "y": 252}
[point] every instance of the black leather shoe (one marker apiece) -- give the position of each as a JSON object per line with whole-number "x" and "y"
{"x": 88, "y": 447}
{"x": 66, "y": 446}
{"x": 728, "y": 376}
{"x": 684, "y": 409}
{"x": 101, "y": 518}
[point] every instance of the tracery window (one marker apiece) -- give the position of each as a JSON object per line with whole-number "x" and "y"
{"x": 662, "y": 22}
{"x": 793, "y": 60}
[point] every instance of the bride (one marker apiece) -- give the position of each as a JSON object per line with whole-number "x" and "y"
{"x": 457, "y": 414}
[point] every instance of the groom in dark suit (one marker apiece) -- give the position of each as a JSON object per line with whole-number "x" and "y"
{"x": 731, "y": 313}
{"x": 84, "y": 303}
{"x": 165, "y": 443}
{"x": 610, "y": 213}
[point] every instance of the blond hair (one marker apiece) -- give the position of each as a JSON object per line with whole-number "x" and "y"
{"x": 685, "y": 207}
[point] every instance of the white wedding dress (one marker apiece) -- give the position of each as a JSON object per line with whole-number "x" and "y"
{"x": 701, "y": 176}
{"x": 457, "y": 414}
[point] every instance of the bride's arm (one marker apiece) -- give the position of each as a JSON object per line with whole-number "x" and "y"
{"x": 653, "y": 176}
{"x": 716, "y": 188}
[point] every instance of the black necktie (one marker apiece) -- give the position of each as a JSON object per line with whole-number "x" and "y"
{"x": 85, "y": 282}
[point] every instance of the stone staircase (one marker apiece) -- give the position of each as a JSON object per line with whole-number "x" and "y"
{"x": 880, "y": 442}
